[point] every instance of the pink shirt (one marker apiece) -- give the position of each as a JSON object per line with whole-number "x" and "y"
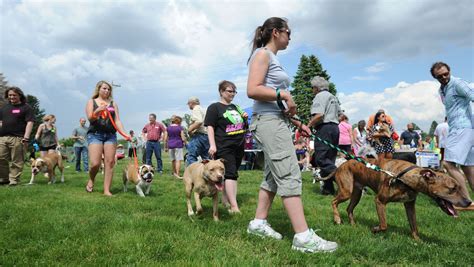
{"x": 153, "y": 131}
{"x": 345, "y": 131}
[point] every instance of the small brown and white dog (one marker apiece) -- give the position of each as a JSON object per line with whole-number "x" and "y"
{"x": 382, "y": 129}
{"x": 47, "y": 165}
{"x": 205, "y": 178}
{"x": 141, "y": 179}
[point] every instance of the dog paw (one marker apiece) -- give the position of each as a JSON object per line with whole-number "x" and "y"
{"x": 199, "y": 211}
{"x": 191, "y": 213}
{"x": 216, "y": 219}
{"x": 377, "y": 229}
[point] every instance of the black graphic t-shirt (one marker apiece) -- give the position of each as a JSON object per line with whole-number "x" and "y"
{"x": 228, "y": 124}
{"x": 14, "y": 119}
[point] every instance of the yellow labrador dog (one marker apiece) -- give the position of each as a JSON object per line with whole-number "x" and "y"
{"x": 205, "y": 179}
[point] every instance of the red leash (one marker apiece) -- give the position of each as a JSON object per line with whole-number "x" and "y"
{"x": 127, "y": 137}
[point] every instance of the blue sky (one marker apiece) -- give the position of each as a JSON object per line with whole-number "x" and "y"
{"x": 162, "y": 52}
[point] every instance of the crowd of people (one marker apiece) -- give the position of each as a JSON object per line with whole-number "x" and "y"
{"x": 222, "y": 131}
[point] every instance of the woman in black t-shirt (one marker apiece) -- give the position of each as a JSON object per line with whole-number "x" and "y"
{"x": 101, "y": 136}
{"x": 226, "y": 125}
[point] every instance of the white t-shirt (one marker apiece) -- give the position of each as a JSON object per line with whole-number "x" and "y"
{"x": 442, "y": 132}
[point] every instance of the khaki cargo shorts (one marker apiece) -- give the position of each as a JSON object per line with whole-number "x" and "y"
{"x": 281, "y": 172}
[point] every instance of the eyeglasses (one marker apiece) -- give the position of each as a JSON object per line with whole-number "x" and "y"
{"x": 288, "y": 31}
{"x": 231, "y": 91}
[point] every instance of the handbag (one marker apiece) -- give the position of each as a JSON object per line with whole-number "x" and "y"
{"x": 395, "y": 136}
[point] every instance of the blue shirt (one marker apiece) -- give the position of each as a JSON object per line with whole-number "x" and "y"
{"x": 456, "y": 97}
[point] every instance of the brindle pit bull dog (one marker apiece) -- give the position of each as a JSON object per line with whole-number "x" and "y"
{"x": 352, "y": 176}
{"x": 205, "y": 179}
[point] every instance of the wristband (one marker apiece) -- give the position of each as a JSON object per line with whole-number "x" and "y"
{"x": 279, "y": 102}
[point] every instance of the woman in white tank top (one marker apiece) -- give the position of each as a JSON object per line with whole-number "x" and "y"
{"x": 267, "y": 84}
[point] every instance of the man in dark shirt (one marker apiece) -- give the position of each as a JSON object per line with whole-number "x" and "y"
{"x": 410, "y": 137}
{"x": 16, "y": 123}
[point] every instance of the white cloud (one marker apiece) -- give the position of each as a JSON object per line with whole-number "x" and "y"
{"x": 366, "y": 78}
{"x": 377, "y": 67}
{"x": 416, "y": 102}
{"x": 163, "y": 52}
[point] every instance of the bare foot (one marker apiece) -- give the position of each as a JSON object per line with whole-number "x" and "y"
{"x": 90, "y": 186}
{"x": 177, "y": 176}
{"x": 108, "y": 194}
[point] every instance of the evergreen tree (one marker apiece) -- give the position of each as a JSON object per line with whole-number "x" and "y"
{"x": 433, "y": 128}
{"x": 39, "y": 112}
{"x": 302, "y": 93}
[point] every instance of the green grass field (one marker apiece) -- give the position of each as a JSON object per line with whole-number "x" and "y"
{"x": 61, "y": 224}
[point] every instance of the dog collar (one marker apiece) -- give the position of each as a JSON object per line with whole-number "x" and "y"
{"x": 400, "y": 175}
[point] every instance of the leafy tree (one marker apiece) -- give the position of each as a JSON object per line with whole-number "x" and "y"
{"x": 416, "y": 127}
{"x": 166, "y": 122}
{"x": 3, "y": 87}
{"x": 67, "y": 142}
{"x": 433, "y": 128}
{"x": 302, "y": 92}
{"x": 39, "y": 112}
{"x": 187, "y": 120}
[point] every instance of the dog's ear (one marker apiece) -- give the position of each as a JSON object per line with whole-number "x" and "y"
{"x": 428, "y": 174}
{"x": 205, "y": 161}
{"x": 31, "y": 160}
{"x": 222, "y": 160}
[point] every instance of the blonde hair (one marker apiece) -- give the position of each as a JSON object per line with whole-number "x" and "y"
{"x": 48, "y": 117}
{"x": 97, "y": 88}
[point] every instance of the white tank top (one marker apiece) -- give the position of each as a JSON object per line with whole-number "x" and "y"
{"x": 276, "y": 77}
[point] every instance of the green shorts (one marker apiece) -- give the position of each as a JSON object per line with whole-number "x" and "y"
{"x": 281, "y": 172}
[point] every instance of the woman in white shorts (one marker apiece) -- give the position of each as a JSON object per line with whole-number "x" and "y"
{"x": 174, "y": 143}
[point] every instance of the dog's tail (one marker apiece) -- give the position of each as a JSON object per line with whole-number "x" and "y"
{"x": 319, "y": 178}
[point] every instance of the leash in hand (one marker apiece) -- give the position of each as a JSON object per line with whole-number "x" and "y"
{"x": 351, "y": 156}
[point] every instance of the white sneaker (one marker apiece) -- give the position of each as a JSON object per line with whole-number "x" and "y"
{"x": 313, "y": 244}
{"x": 263, "y": 230}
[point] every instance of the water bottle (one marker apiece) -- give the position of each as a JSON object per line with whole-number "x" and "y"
{"x": 412, "y": 143}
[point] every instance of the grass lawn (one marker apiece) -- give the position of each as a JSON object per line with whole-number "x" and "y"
{"x": 61, "y": 224}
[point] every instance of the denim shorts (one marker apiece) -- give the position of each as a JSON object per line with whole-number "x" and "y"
{"x": 101, "y": 138}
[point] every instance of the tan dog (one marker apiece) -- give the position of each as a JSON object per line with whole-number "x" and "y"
{"x": 47, "y": 165}
{"x": 352, "y": 176}
{"x": 205, "y": 179}
{"x": 382, "y": 129}
{"x": 141, "y": 179}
